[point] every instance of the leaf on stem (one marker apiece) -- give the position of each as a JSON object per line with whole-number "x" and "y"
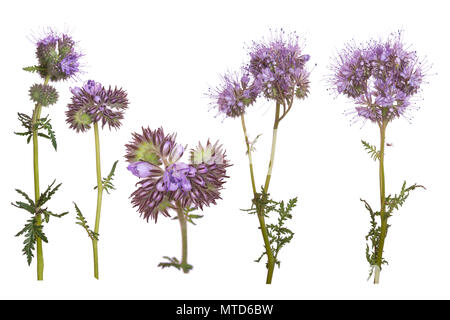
{"x": 42, "y": 124}
{"x": 371, "y": 150}
{"x": 33, "y": 69}
{"x": 174, "y": 262}
{"x": 48, "y": 193}
{"x": 393, "y": 202}
{"x": 279, "y": 235}
{"x": 32, "y": 231}
{"x": 107, "y": 182}
{"x": 83, "y": 222}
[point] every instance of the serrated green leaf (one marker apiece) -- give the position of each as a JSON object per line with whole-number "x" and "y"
{"x": 107, "y": 182}
{"x": 33, "y": 69}
{"x": 83, "y": 222}
{"x": 279, "y": 235}
{"x": 32, "y": 232}
{"x": 174, "y": 262}
{"x": 48, "y": 193}
{"x": 371, "y": 150}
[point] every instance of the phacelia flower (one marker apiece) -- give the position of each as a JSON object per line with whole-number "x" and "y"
{"x": 92, "y": 103}
{"x": 43, "y": 94}
{"x": 278, "y": 66}
{"x": 154, "y": 147}
{"x": 167, "y": 183}
{"x": 57, "y": 56}
{"x": 176, "y": 177}
{"x": 234, "y": 94}
{"x": 381, "y": 77}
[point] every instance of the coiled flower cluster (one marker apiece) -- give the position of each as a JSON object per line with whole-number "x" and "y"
{"x": 276, "y": 70}
{"x": 166, "y": 182}
{"x": 381, "y": 77}
{"x": 57, "y": 56}
{"x": 93, "y": 103}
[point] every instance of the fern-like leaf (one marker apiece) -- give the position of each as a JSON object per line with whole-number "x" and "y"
{"x": 42, "y": 124}
{"x": 174, "y": 262}
{"x": 48, "y": 194}
{"x": 47, "y": 214}
{"x": 373, "y": 237}
{"x": 393, "y": 202}
{"x": 32, "y": 232}
{"x": 107, "y": 182}
{"x": 371, "y": 150}
{"x": 33, "y": 69}
{"x": 83, "y": 222}
{"x": 279, "y": 235}
{"x": 45, "y": 124}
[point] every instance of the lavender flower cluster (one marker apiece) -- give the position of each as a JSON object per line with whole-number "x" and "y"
{"x": 166, "y": 182}
{"x": 57, "y": 56}
{"x": 276, "y": 70}
{"x": 381, "y": 77}
{"x": 93, "y": 103}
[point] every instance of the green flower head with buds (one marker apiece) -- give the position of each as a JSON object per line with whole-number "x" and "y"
{"x": 43, "y": 94}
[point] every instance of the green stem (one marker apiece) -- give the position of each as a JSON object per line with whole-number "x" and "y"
{"x": 270, "y": 257}
{"x": 184, "y": 244}
{"x": 274, "y": 144}
{"x": 260, "y": 211}
{"x": 99, "y": 198}
{"x": 35, "y": 120}
{"x": 249, "y": 153}
{"x": 383, "y": 216}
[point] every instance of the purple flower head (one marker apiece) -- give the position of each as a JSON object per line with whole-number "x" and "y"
{"x": 278, "y": 66}
{"x": 57, "y": 56}
{"x": 167, "y": 183}
{"x": 92, "y": 103}
{"x": 176, "y": 177}
{"x": 235, "y": 93}
{"x": 381, "y": 77}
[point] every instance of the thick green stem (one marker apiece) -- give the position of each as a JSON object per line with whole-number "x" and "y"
{"x": 383, "y": 216}
{"x": 37, "y": 193}
{"x": 99, "y": 198}
{"x": 184, "y": 244}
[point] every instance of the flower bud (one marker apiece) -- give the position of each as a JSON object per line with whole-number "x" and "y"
{"x": 43, "y": 94}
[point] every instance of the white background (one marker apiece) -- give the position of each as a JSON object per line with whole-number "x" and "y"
{"x": 167, "y": 55}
